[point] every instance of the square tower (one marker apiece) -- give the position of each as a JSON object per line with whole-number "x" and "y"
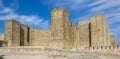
{"x": 16, "y": 34}
{"x": 61, "y": 29}
{"x": 12, "y": 33}
{"x": 99, "y": 31}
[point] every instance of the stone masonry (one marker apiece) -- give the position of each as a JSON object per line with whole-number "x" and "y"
{"x": 62, "y": 34}
{"x": 99, "y": 31}
{"x": 2, "y": 41}
{"x": 61, "y": 27}
{"x": 112, "y": 39}
{"x": 83, "y": 35}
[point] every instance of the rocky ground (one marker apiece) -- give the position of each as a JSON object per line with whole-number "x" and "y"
{"x": 23, "y": 56}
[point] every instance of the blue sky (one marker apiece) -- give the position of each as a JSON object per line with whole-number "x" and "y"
{"x": 37, "y": 13}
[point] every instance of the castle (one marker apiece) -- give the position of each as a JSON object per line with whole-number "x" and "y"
{"x": 62, "y": 34}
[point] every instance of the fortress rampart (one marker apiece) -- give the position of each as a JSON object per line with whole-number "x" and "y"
{"x": 104, "y": 48}
{"x": 55, "y": 51}
{"x": 93, "y": 33}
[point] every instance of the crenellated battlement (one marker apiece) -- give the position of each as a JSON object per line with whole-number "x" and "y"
{"x": 46, "y": 49}
{"x": 103, "y": 48}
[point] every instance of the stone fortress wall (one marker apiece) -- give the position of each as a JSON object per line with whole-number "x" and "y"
{"x": 2, "y": 37}
{"x": 35, "y": 39}
{"x": 89, "y": 40}
{"x": 2, "y": 41}
{"x": 63, "y": 34}
{"x": 112, "y": 50}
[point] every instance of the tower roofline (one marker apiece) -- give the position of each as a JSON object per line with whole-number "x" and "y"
{"x": 57, "y": 9}
{"x": 84, "y": 22}
{"x": 97, "y": 15}
{"x": 12, "y": 21}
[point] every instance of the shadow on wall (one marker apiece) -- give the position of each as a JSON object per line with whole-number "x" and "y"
{"x": 21, "y": 37}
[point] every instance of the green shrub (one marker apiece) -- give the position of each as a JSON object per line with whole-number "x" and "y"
{"x": 1, "y": 57}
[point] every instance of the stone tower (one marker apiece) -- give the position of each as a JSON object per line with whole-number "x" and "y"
{"x": 12, "y": 33}
{"x": 61, "y": 27}
{"x": 99, "y": 31}
{"x": 16, "y": 33}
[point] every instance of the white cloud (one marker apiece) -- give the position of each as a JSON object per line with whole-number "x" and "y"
{"x": 71, "y": 4}
{"x": 8, "y": 16}
{"x": 107, "y": 4}
{"x": 45, "y": 24}
{"x": 115, "y": 30}
{"x": 82, "y": 18}
{"x": 6, "y": 10}
{"x": 98, "y": 2}
{"x": 34, "y": 21}
{"x": 30, "y": 20}
{"x": 113, "y": 15}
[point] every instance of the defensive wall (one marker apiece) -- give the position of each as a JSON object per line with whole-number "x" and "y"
{"x": 39, "y": 49}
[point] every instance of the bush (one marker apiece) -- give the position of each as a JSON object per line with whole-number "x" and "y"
{"x": 1, "y": 57}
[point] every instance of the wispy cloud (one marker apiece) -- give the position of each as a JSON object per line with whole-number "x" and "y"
{"x": 115, "y": 30}
{"x": 35, "y": 21}
{"x": 7, "y": 13}
{"x": 97, "y": 2}
{"x": 71, "y": 4}
{"x": 5, "y": 10}
{"x": 30, "y": 19}
{"x": 8, "y": 16}
{"x": 105, "y": 5}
